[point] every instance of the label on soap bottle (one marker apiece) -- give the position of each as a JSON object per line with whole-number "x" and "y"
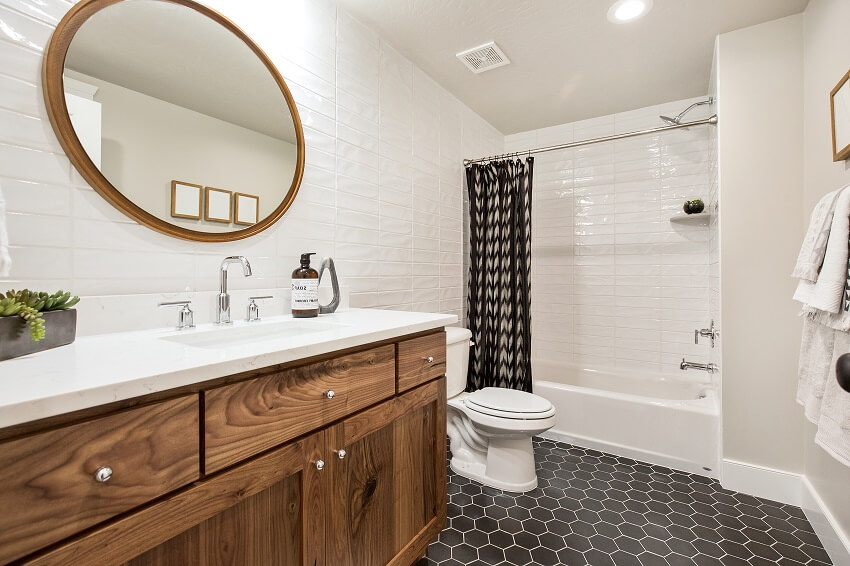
{"x": 305, "y": 294}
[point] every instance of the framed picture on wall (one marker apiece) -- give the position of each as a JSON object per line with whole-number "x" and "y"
{"x": 246, "y": 209}
{"x": 186, "y": 200}
{"x": 839, "y": 104}
{"x": 218, "y": 205}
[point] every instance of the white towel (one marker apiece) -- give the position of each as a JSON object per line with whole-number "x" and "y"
{"x": 834, "y": 423}
{"x": 836, "y": 321}
{"x": 816, "y": 366}
{"x": 813, "y": 249}
{"x": 5, "y": 258}
{"x": 827, "y": 293}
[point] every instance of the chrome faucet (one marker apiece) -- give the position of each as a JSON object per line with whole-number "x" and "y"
{"x": 712, "y": 333}
{"x": 710, "y": 368}
{"x": 222, "y": 313}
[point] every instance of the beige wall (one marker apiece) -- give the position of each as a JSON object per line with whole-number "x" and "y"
{"x": 760, "y": 148}
{"x": 827, "y": 58}
{"x": 187, "y": 146}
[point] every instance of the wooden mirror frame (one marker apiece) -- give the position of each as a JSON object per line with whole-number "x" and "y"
{"x": 838, "y": 153}
{"x": 54, "y": 97}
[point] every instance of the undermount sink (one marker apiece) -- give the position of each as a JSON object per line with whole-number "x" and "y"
{"x": 230, "y": 336}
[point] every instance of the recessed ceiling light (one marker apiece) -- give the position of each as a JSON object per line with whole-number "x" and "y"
{"x": 628, "y": 10}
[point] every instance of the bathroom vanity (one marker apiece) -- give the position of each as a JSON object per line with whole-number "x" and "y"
{"x": 325, "y": 445}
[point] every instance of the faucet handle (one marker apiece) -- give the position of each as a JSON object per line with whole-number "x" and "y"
{"x": 253, "y": 309}
{"x": 186, "y": 317}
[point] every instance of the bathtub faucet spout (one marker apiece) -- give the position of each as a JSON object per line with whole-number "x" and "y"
{"x": 710, "y": 368}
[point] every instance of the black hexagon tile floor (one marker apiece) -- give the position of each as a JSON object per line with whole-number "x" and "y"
{"x": 597, "y": 509}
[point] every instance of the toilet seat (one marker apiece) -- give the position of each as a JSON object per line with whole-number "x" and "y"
{"x": 508, "y": 404}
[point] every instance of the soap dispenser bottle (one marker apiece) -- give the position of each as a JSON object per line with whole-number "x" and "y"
{"x": 305, "y": 289}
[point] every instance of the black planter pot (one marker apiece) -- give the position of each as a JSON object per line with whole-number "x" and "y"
{"x": 15, "y": 340}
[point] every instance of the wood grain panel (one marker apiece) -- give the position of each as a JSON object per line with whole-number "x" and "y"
{"x": 315, "y": 488}
{"x": 263, "y": 529}
{"x": 363, "y": 515}
{"x": 418, "y": 545}
{"x": 336, "y": 499}
{"x": 48, "y": 479}
{"x": 415, "y": 490}
{"x": 247, "y": 418}
{"x": 184, "y": 549}
{"x": 370, "y": 420}
{"x": 127, "y": 537}
{"x": 413, "y": 355}
{"x": 440, "y": 479}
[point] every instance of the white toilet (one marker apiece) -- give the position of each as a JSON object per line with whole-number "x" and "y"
{"x": 490, "y": 429}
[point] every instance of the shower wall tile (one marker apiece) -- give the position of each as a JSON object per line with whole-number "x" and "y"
{"x": 382, "y": 193}
{"x": 614, "y": 282}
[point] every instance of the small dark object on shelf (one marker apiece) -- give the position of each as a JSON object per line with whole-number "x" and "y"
{"x": 842, "y": 372}
{"x": 694, "y": 206}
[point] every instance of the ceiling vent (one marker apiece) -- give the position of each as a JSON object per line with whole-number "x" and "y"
{"x": 483, "y": 58}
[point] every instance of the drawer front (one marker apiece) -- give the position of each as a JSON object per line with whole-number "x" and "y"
{"x": 420, "y": 360}
{"x": 48, "y": 489}
{"x": 246, "y": 418}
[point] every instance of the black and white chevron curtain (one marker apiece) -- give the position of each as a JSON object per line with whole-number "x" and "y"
{"x": 499, "y": 297}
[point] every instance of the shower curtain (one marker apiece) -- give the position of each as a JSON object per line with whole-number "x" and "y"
{"x": 499, "y": 295}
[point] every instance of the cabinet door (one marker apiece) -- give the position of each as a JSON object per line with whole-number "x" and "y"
{"x": 268, "y": 510}
{"x": 388, "y": 498}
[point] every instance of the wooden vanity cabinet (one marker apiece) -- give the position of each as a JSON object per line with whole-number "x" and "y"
{"x": 381, "y": 503}
{"x": 363, "y": 486}
{"x": 56, "y": 483}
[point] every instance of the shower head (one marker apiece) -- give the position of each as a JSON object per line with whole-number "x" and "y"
{"x": 678, "y": 119}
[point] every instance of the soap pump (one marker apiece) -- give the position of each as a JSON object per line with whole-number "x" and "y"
{"x": 305, "y": 289}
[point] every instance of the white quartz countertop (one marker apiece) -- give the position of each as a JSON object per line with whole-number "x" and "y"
{"x": 104, "y": 368}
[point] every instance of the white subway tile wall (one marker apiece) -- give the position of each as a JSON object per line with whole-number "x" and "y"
{"x": 614, "y": 282}
{"x": 714, "y": 251}
{"x": 382, "y": 190}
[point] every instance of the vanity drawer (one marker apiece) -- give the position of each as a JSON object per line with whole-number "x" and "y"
{"x": 48, "y": 485}
{"x": 246, "y": 418}
{"x": 420, "y": 360}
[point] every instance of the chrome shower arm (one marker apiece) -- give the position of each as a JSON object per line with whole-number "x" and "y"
{"x": 710, "y": 100}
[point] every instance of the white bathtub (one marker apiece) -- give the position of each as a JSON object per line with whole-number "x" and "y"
{"x": 669, "y": 421}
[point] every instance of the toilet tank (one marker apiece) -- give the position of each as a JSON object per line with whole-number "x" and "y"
{"x": 457, "y": 359}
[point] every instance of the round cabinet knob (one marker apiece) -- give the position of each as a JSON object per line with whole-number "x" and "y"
{"x": 102, "y": 474}
{"x": 430, "y": 359}
{"x": 320, "y": 465}
{"x": 330, "y": 394}
{"x": 341, "y": 453}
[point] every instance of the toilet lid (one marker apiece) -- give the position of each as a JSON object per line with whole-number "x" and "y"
{"x": 498, "y": 401}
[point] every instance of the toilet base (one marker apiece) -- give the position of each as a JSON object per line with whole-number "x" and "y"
{"x": 508, "y": 464}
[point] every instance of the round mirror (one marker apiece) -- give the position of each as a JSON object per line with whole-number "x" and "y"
{"x": 174, "y": 116}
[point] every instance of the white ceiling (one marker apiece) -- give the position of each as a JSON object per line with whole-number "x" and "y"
{"x": 568, "y": 62}
{"x": 175, "y": 54}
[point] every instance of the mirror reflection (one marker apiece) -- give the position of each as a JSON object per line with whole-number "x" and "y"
{"x": 180, "y": 115}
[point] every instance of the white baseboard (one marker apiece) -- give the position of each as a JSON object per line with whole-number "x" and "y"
{"x": 770, "y": 484}
{"x": 835, "y": 542}
{"x": 792, "y": 489}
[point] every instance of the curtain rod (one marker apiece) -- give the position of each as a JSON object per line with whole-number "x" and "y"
{"x": 712, "y": 120}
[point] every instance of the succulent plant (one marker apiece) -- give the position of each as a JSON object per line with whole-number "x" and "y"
{"x": 29, "y": 305}
{"x": 694, "y": 206}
